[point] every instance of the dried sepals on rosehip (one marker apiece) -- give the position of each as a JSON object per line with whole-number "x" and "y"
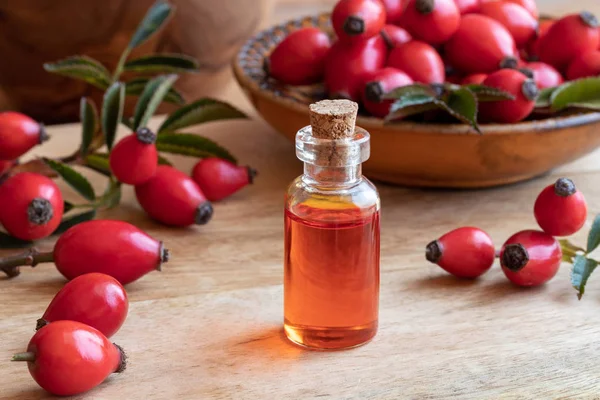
{"x": 560, "y": 209}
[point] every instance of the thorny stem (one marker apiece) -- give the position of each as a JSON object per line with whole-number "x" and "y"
{"x": 32, "y": 257}
{"x": 27, "y": 356}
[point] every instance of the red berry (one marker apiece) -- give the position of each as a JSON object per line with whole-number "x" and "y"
{"x": 134, "y": 159}
{"x": 584, "y": 65}
{"x": 530, "y": 258}
{"x": 347, "y": 65}
{"x": 481, "y": 45}
{"x": 97, "y": 300}
{"x": 560, "y": 209}
{"x": 300, "y": 58}
{"x": 544, "y": 75}
{"x": 356, "y": 20}
{"x": 218, "y": 178}
{"x": 529, "y": 5}
{"x": 395, "y": 36}
{"x": 380, "y": 83}
{"x": 467, "y": 6}
{"x": 394, "y": 10}
{"x": 474, "y": 79}
{"x": 510, "y": 111}
{"x": 114, "y": 248}
{"x": 464, "y": 252}
{"x": 519, "y": 22}
{"x": 432, "y": 21}
{"x": 67, "y": 358}
{"x": 533, "y": 48}
{"x": 19, "y": 134}
{"x": 568, "y": 38}
{"x": 31, "y": 206}
{"x": 420, "y": 61}
{"x": 173, "y": 198}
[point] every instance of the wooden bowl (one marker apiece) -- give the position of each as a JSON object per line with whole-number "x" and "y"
{"x": 423, "y": 154}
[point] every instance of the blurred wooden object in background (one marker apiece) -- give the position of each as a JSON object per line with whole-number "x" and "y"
{"x": 33, "y": 32}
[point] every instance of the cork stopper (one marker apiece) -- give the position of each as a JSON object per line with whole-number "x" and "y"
{"x": 333, "y": 119}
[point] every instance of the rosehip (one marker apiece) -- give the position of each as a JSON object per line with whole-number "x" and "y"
{"x": 584, "y": 65}
{"x": 394, "y": 10}
{"x": 380, "y": 83}
{"x": 544, "y": 75}
{"x": 19, "y": 134}
{"x": 509, "y": 111}
{"x": 432, "y": 21}
{"x": 530, "y": 258}
{"x": 31, "y": 206}
{"x": 420, "y": 61}
{"x": 173, "y": 198}
{"x": 347, "y": 65}
{"x": 481, "y": 45}
{"x": 97, "y": 300}
{"x": 529, "y": 5}
{"x": 218, "y": 178}
{"x": 517, "y": 20}
{"x": 356, "y": 20}
{"x": 134, "y": 159}
{"x": 474, "y": 79}
{"x": 560, "y": 209}
{"x": 67, "y": 358}
{"x": 467, "y": 6}
{"x": 395, "y": 36}
{"x": 568, "y": 38}
{"x": 466, "y": 252}
{"x": 300, "y": 58}
{"x": 533, "y": 48}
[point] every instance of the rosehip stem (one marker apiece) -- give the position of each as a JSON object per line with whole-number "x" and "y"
{"x": 28, "y": 356}
{"x": 32, "y": 257}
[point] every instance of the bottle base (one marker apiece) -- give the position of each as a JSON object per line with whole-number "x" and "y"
{"x": 328, "y": 338}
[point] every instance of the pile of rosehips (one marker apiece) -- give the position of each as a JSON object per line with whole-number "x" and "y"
{"x": 381, "y": 45}
{"x": 527, "y": 258}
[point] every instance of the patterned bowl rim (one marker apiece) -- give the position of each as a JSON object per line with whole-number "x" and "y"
{"x": 271, "y": 36}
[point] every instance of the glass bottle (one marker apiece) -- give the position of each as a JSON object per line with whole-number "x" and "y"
{"x": 331, "y": 277}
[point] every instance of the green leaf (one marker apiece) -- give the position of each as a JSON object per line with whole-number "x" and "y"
{"x": 162, "y": 63}
{"x": 135, "y": 87}
{"x": 488, "y": 93}
{"x": 10, "y": 242}
{"x": 112, "y": 196}
{"x": 67, "y": 207}
{"x": 151, "y": 23}
{"x": 580, "y": 91}
{"x": 411, "y": 104}
{"x": 462, "y": 104}
{"x": 70, "y": 222}
{"x": 112, "y": 111}
{"x": 191, "y": 145}
{"x": 543, "y": 99}
{"x": 414, "y": 89}
{"x": 588, "y": 105}
{"x": 150, "y": 99}
{"x": 83, "y": 68}
{"x": 99, "y": 163}
{"x": 582, "y": 269}
{"x": 89, "y": 123}
{"x": 569, "y": 250}
{"x": 198, "y": 112}
{"x": 593, "y": 239}
{"x": 73, "y": 178}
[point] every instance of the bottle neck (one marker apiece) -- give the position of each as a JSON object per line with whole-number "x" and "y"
{"x": 332, "y": 176}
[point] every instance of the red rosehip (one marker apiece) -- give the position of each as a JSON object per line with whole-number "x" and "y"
{"x": 510, "y": 111}
{"x": 529, "y": 5}
{"x": 432, "y": 21}
{"x": 173, "y": 198}
{"x": 31, "y": 206}
{"x": 218, "y": 178}
{"x": 584, "y": 65}
{"x": 474, "y": 79}
{"x": 467, "y": 6}
{"x": 517, "y": 20}
{"x": 530, "y": 258}
{"x": 380, "y": 83}
{"x": 394, "y": 10}
{"x": 97, "y": 300}
{"x": 300, "y": 58}
{"x": 67, "y": 358}
{"x": 395, "y": 36}
{"x": 533, "y": 48}
{"x": 560, "y": 209}
{"x": 544, "y": 75}
{"x": 356, "y": 20}
{"x": 114, "y": 248}
{"x": 420, "y": 61}
{"x": 568, "y": 38}
{"x": 19, "y": 134}
{"x": 481, "y": 45}
{"x": 466, "y": 252}
{"x": 134, "y": 159}
{"x": 347, "y": 65}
